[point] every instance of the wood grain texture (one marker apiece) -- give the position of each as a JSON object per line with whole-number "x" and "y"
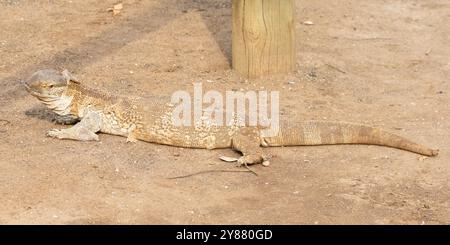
{"x": 263, "y": 37}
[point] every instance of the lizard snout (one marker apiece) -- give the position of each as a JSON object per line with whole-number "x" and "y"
{"x": 45, "y": 83}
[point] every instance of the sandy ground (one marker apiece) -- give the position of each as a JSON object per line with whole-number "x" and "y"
{"x": 384, "y": 63}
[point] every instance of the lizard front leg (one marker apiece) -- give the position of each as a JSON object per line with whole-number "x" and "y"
{"x": 247, "y": 141}
{"x": 85, "y": 130}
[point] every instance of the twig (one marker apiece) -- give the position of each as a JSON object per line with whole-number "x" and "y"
{"x": 363, "y": 38}
{"x": 371, "y": 38}
{"x": 249, "y": 169}
{"x": 337, "y": 69}
{"x": 215, "y": 171}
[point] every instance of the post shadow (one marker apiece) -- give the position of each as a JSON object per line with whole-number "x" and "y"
{"x": 126, "y": 31}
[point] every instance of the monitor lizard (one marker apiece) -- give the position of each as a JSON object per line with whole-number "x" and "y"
{"x": 149, "y": 119}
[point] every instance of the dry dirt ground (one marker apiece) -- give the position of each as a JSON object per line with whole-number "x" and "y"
{"x": 384, "y": 63}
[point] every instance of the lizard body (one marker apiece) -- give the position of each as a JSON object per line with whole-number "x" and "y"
{"x": 149, "y": 119}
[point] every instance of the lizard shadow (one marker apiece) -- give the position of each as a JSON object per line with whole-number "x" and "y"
{"x": 216, "y": 15}
{"x": 43, "y": 113}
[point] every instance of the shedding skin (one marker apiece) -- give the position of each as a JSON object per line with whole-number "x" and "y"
{"x": 149, "y": 119}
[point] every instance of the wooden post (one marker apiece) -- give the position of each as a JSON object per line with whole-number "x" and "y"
{"x": 263, "y": 37}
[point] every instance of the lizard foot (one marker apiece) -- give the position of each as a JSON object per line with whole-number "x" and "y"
{"x": 131, "y": 139}
{"x": 82, "y": 135}
{"x": 54, "y": 133}
{"x": 254, "y": 159}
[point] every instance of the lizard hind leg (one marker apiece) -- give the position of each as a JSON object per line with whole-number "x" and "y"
{"x": 247, "y": 141}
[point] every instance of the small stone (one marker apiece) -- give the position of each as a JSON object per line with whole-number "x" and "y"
{"x": 422, "y": 158}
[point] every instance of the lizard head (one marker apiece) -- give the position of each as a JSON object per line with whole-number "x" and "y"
{"x": 49, "y": 86}
{"x": 47, "y": 83}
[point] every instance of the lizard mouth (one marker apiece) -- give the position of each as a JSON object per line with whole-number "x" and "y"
{"x": 34, "y": 93}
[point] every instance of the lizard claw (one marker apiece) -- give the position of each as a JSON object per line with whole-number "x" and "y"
{"x": 249, "y": 160}
{"x": 54, "y": 133}
{"x": 254, "y": 159}
{"x": 241, "y": 162}
{"x": 131, "y": 139}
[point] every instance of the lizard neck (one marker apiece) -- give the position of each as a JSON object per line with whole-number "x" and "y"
{"x": 85, "y": 99}
{"x": 61, "y": 105}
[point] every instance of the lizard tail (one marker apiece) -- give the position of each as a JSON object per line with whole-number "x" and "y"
{"x": 334, "y": 133}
